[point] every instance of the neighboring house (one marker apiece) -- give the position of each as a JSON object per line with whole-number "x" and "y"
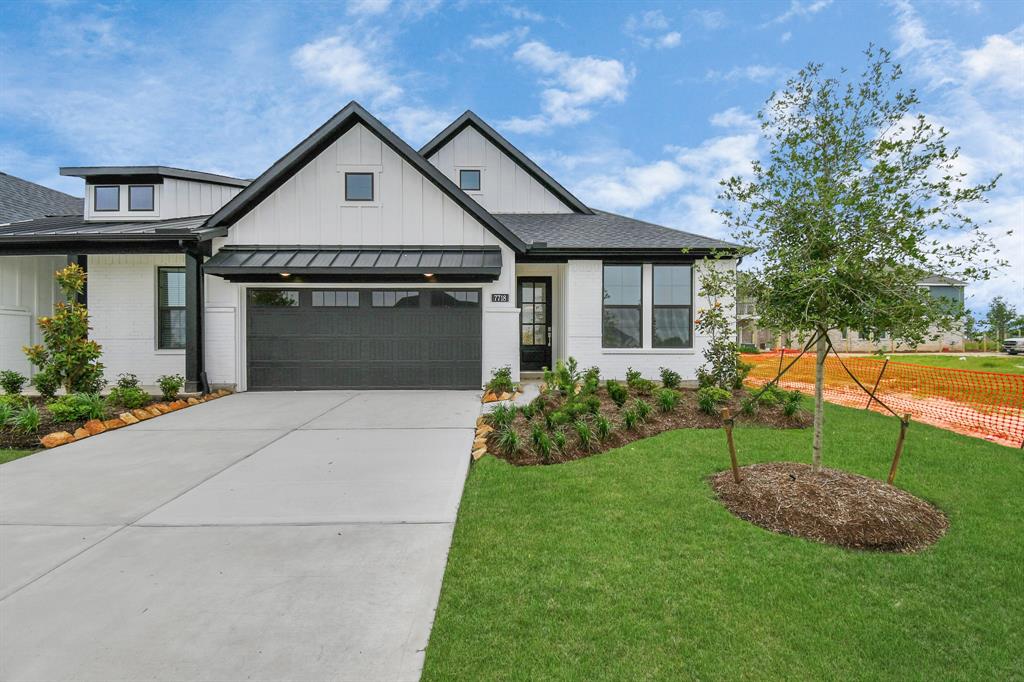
{"x": 27, "y": 289}
{"x": 748, "y": 332}
{"x": 356, "y": 261}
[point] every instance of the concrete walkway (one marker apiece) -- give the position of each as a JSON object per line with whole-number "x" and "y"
{"x": 262, "y": 536}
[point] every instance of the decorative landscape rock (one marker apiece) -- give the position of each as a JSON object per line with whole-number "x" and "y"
{"x": 96, "y": 426}
{"x": 52, "y": 440}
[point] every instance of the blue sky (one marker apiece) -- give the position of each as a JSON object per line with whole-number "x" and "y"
{"x": 637, "y": 107}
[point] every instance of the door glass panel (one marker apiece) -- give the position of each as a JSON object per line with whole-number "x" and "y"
{"x": 527, "y": 313}
{"x": 527, "y": 335}
{"x": 539, "y": 292}
{"x": 527, "y": 292}
{"x": 540, "y": 313}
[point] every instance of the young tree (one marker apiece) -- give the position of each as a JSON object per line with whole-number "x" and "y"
{"x": 850, "y": 209}
{"x": 67, "y": 357}
{"x": 1000, "y": 318}
{"x": 717, "y": 289}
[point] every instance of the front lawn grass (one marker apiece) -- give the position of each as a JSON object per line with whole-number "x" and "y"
{"x": 1006, "y": 364}
{"x": 8, "y": 455}
{"x": 624, "y": 566}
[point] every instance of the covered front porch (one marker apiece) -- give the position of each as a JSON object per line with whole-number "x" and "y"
{"x": 144, "y": 291}
{"x": 543, "y": 302}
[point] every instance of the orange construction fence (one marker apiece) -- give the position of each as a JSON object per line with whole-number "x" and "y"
{"x": 987, "y": 405}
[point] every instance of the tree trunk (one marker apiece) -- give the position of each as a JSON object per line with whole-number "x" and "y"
{"x": 819, "y": 399}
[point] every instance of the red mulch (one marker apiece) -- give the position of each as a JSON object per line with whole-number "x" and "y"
{"x": 830, "y": 506}
{"x": 686, "y": 415}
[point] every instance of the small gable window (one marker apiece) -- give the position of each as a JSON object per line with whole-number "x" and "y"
{"x": 106, "y": 198}
{"x": 358, "y": 186}
{"x": 140, "y": 198}
{"x": 469, "y": 180}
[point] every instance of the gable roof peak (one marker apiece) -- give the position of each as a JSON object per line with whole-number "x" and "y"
{"x": 321, "y": 138}
{"x": 469, "y": 118}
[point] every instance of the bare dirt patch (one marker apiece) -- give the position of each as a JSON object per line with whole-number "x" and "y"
{"x": 830, "y": 506}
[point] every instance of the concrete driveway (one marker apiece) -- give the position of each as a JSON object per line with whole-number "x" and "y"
{"x": 262, "y": 536}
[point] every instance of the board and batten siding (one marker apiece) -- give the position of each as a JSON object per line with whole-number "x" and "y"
{"x": 174, "y": 198}
{"x": 310, "y": 207}
{"x": 584, "y": 293}
{"x": 28, "y": 291}
{"x": 505, "y": 187}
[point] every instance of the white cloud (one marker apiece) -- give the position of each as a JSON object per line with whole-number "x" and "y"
{"x": 709, "y": 18}
{"x": 670, "y": 39}
{"x": 758, "y": 73}
{"x": 496, "y": 40}
{"x": 520, "y": 13}
{"x": 368, "y": 7}
{"x": 633, "y": 188}
{"x": 651, "y": 29}
{"x": 735, "y": 118}
{"x": 573, "y": 86}
{"x": 975, "y": 94}
{"x": 416, "y": 125}
{"x": 784, "y": 38}
{"x": 346, "y": 68}
{"x": 798, "y": 8}
{"x": 999, "y": 62}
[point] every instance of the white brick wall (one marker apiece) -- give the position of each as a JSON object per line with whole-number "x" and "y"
{"x": 122, "y": 307}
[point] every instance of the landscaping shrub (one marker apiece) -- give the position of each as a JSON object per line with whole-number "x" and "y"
{"x": 502, "y": 416}
{"x": 12, "y": 382}
{"x": 603, "y": 427}
{"x": 558, "y": 438}
{"x": 617, "y": 392}
{"x": 668, "y": 399}
{"x": 630, "y": 419}
{"x": 791, "y": 403}
{"x": 14, "y": 401}
{"x": 46, "y": 383}
{"x": 670, "y": 378}
{"x": 557, "y": 418}
{"x": 536, "y": 433}
{"x": 67, "y": 354}
{"x": 528, "y": 411}
{"x": 501, "y": 381}
{"x": 170, "y": 385}
{"x": 508, "y": 440}
{"x": 710, "y": 397}
{"x": 584, "y": 433}
{"x": 76, "y": 406}
{"x": 749, "y": 406}
{"x": 565, "y": 378}
{"x": 636, "y": 381}
{"x": 591, "y": 381}
{"x": 642, "y": 409}
{"x": 27, "y": 419}
{"x": 127, "y": 380}
{"x": 7, "y": 412}
{"x": 128, "y": 396}
{"x": 544, "y": 446}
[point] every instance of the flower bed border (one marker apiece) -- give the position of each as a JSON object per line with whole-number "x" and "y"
{"x": 127, "y": 418}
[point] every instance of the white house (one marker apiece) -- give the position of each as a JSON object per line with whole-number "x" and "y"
{"x": 357, "y": 262}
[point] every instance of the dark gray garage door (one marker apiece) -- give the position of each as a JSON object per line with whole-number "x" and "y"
{"x": 367, "y": 338}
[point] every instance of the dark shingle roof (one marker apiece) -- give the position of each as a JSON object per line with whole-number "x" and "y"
{"x": 72, "y": 227}
{"x": 941, "y": 280}
{"x": 24, "y": 200}
{"x": 603, "y": 231}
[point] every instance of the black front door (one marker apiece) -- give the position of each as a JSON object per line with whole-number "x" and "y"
{"x": 534, "y": 299}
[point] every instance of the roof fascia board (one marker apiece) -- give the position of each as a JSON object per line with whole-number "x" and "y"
{"x": 93, "y": 174}
{"x": 326, "y": 134}
{"x": 526, "y": 163}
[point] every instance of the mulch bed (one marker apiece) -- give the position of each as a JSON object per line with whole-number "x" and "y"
{"x": 11, "y": 438}
{"x": 830, "y": 506}
{"x": 686, "y": 415}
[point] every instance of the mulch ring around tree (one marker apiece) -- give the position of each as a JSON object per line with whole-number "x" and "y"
{"x": 830, "y": 506}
